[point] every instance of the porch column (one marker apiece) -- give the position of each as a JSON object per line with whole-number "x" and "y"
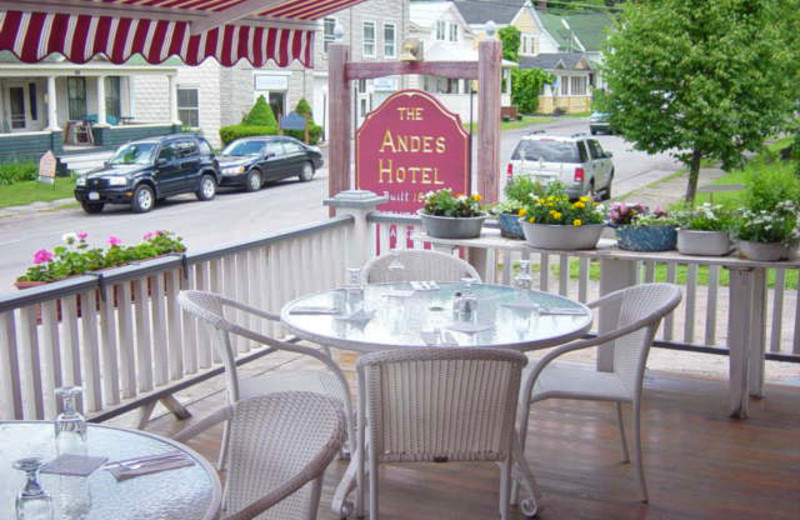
{"x": 173, "y": 100}
{"x": 52, "y": 114}
{"x": 101, "y": 101}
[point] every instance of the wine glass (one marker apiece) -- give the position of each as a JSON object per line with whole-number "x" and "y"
{"x": 523, "y": 280}
{"x": 70, "y": 425}
{"x": 33, "y": 502}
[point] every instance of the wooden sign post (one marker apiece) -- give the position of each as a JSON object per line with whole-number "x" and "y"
{"x": 47, "y": 168}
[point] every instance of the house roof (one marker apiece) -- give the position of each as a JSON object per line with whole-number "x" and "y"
{"x": 554, "y": 61}
{"x": 501, "y": 12}
{"x": 588, "y": 26}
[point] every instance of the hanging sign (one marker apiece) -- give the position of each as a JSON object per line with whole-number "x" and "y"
{"x": 410, "y": 145}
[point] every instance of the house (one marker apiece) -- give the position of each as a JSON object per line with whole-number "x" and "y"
{"x": 571, "y": 92}
{"x": 446, "y": 36}
{"x": 39, "y": 101}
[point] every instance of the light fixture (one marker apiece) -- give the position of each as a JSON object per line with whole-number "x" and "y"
{"x": 412, "y": 50}
{"x": 491, "y": 29}
{"x": 338, "y": 32}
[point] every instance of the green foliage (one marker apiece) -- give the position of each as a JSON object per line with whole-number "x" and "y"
{"x": 12, "y": 172}
{"x": 554, "y": 207}
{"x": 260, "y": 115}
{"x": 510, "y": 38}
{"x": 765, "y": 188}
{"x": 706, "y": 217}
{"x": 443, "y": 203}
{"x": 521, "y": 188}
{"x": 304, "y": 109}
{"x": 702, "y": 83}
{"x": 314, "y": 130}
{"x": 525, "y": 87}
{"x": 230, "y": 133}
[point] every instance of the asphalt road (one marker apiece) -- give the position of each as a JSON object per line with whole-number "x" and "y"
{"x": 235, "y": 216}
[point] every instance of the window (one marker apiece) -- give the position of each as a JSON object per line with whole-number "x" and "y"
{"x": 389, "y": 40}
{"x": 362, "y": 86}
{"x": 369, "y": 38}
{"x": 168, "y": 152}
{"x": 548, "y": 150}
{"x": 578, "y": 85}
{"x": 274, "y": 149}
{"x": 527, "y": 44}
{"x": 362, "y": 107}
{"x": 186, "y": 148}
{"x": 189, "y": 107}
{"x": 205, "y": 147}
{"x": 441, "y": 27}
{"x": 76, "y": 98}
{"x": 328, "y": 32}
{"x": 453, "y": 32}
{"x": 596, "y": 149}
{"x": 564, "y": 85}
{"x": 292, "y": 147}
{"x": 113, "y": 103}
{"x": 277, "y": 102}
{"x": 34, "y": 106}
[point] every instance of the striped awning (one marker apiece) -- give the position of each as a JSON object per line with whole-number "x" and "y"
{"x": 193, "y": 30}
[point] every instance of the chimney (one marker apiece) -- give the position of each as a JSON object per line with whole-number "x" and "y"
{"x": 542, "y": 4}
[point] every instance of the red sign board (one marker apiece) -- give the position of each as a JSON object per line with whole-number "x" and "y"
{"x": 409, "y": 146}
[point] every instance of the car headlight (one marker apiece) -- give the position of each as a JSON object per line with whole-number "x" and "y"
{"x": 80, "y": 181}
{"x": 233, "y": 170}
{"x": 117, "y": 181}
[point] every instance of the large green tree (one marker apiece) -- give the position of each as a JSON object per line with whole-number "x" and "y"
{"x": 525, "y": 87}
{"x": 702, "y": 78}
{"x": 509, "y": 37}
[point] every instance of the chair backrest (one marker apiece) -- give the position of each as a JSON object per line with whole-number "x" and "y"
{"x": 646, "y": 305}
{"x": 440, "y": 404}
{"x": 280, "y": 442}
{"x": 411, "y": 265}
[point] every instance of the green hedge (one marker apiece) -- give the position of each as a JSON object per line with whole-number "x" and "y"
{"x": 314, "y": 133}
{"x": 12, "y": 172}
{"x": 260, "y": 115}
{"x": 233, "y": 132}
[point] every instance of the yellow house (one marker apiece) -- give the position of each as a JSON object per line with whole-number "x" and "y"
{"x": 571, "y": 92}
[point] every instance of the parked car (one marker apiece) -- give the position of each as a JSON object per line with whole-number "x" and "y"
{"x": 598, "y": 122}
{"x": 143, "y": 172}
{"x": 578, "y": 161}
{"x": 252, "y": 161}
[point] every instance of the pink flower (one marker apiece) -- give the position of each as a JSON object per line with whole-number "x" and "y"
{"x": 114, "y": 241}
{"x": 82, "y": 235}
{"x": 42, "y": 256}
{"x": 148, "y": 235}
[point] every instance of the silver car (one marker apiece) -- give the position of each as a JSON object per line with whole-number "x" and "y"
{"x": 578, "y": 161}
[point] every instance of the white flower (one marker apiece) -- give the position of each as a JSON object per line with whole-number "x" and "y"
{"x": 70, "y": 238}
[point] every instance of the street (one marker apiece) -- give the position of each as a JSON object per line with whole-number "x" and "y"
{"x": 235, "y": 216}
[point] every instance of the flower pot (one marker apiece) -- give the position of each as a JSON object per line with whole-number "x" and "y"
{"x": 703, "y": 243}
{"x": 565, "y": 238}
{"x": 509, "y": 226}
{"x": 647, "y": 238}
{"x": 764, "y": 251}
{"x": 451, "y": 227}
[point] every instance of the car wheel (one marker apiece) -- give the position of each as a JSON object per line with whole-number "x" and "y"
{"x": 308, "y": 172}
{"x": 144, "y": 198}
{"x": 208, "y": 188}
{"x": 92, "y": 207}
{"x": 254, "y": 182}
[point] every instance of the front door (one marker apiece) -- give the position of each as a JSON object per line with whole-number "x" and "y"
{"x": 17, "y": 107}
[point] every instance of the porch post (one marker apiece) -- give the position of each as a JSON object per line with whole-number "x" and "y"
{"x": 341, "y": 121}
{"x": 490, "y": 54}
{"x": 359, "y": 203}
{"x": 52, "y": 114}
{"x": 173, "y": 100}
{"x": 101, "y": 101}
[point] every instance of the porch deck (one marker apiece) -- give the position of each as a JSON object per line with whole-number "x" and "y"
{"x": 699, "y": 463}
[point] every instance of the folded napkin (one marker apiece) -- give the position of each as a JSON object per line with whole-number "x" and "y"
{"x": 468, "y": 327}
{"x": 523, "y": 306}
{"x": 425, "y": 286}
{"x": 146, "y": 468}
{"x": 74, "y": 465}
{"x": 312, "y": 309}
{"x": 357, "y": 318}
{"x": 563, "y": 311}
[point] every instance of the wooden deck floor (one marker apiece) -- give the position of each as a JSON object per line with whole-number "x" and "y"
{"x": 699, "y": 463}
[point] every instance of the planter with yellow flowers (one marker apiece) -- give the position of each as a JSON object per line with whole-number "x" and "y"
{"x": 553, "y": 221}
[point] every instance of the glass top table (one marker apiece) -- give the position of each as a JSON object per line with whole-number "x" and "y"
{"x": 402, "y": 317}
{"x": 190, "y": 493}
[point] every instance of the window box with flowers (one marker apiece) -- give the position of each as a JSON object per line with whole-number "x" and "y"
{"x": 703, "y": 231}
{"x": 452, "y": 216}
{"x": 641, "y": 229}
{"x": 553, "y": 221}
{"x": 768, "y": 235}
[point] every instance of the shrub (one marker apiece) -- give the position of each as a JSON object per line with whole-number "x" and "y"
{"x": 230, "y": 133}
{"x": 260, "y": 115}
{"x": 765, "y": 188}
{"x": 12, "y": 172}
{"x": 304, "y": 109}
{"x": 708, "y": 217}
{"x": 314, "y": 130}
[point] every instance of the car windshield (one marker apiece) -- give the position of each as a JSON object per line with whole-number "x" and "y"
{"x": 547, "y": 151}
{"x": 244, "y": 148}
{"x": 136, "y": 153}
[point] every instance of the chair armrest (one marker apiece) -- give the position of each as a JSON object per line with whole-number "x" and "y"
{"x": 250, "y": 310}
{"x": 608, "y": 298}
{"x": 223, "y": 414}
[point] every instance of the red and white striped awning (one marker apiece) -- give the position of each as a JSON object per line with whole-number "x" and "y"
{"x": 228, "y": 30}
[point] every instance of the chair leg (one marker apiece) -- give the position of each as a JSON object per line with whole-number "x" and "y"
{"x": 638, "y": 439}
{"x": 625, "y": 455}
{"x": 316, "y": 492}
{"x": 524, "y": 417}
{"x": 223, "y": 448}
{"x": 373, "y": 486}
{"x": 505, "y": 487}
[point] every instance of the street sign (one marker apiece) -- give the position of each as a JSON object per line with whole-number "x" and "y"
{"x": 47, "y": 168}
{"x": 293, "y": 121}
{"x": 410, "y": 145}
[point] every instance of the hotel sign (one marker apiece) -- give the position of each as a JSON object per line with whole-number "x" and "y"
{"x": 409, "y": 146}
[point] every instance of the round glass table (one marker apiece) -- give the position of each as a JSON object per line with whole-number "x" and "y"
{"x": 191, "y": 492}
{"x": 396, "y": 316}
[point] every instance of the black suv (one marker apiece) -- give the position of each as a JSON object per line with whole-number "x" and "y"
{"x": 142, "y": 172}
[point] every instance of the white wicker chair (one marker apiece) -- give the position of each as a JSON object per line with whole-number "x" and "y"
{"x": 438, "y": 405}
{"x": 210, "y": 309}
{"x": 280, "y": 446}
{"x": 412, "y": 265}
{"x": 641, "y": 309}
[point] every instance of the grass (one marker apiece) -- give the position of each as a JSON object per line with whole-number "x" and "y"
{"x": 511, "y": 125}
{"x": 34, "y": 191}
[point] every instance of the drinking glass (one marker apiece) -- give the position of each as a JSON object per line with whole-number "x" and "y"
{"x": 33, "y": 502}
{"x": 74, "y": 497}
{"x": 70, "y": 425}
{"x": 354, "y": 293}
{"x": 523, "y": 278}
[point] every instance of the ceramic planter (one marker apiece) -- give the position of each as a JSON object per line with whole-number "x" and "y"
{"x": 703, "y": 243}
{"x": 509, "y": 226}
{"x": 451, "y": 227}
{"x": 565, "y": 238}
{"x": 647, "y": 238}
{"x": 764, "y": 252}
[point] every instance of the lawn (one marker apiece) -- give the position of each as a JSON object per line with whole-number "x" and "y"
{"x": 34, "y": 191}
{"x": 511, "y": 125}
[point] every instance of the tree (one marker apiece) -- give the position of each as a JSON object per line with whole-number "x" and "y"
{"x": 260, "y": 115}
{"x": 509, "y": 37}
{"x": 702, "y": 83}
{"x": 525, "y": 87}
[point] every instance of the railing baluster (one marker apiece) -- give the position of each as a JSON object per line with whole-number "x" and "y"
{"x": 273, "y": 273}
{"x": 215, "y": 280}
{"x": 126, "y": 345}
{"x": 90, "y": 353}
{"x": 51, "y": 357}
{"x": 174, "y": 325}
{"x": 507, "y": 267}
{"x": 11, "y": 382}
{"x": 669, "y": 320}
{"x": 243, "y": 295}
{"x": 563, "y": 275}
{"x": 108, "y": 346}
{"x": 256, "y": 280}
{"x": 583, "y": 279}
{"x": 690, "y": 301}
{"x": 71, "y": 349}
{"x": 160, "y": 363}
{"x": 190, "y": 343}
{"x": 777, "y": 311}
{"x": 203, "y": 340}
{"x": 31, "y": 366}
{"x": 144, "y": 353}
{"x": 229, "y": 276}
{"x": 796, "y": 345}
{"x": 711, "y": 305}
{"x": 544, "y": 273}
{"x": 649, "y": 271}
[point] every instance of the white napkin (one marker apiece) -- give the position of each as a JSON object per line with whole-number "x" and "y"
{"x": 523, "y": 306}
{"x": 468, "y": 327}
{"x": 154, "y": 466}
{"x": 314, "y": 309}
{"x": 360, "y": 317}
{"x": 75, "y": 465}
{"x": 562, "y": 311}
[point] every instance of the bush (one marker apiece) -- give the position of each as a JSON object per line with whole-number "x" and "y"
{"x": 13, "y": 172}
{"x": 314, "y": 133}
{"x": 230, "y": 133}
{"x": 260, "y": 115}
{"x": 766, "y": 187}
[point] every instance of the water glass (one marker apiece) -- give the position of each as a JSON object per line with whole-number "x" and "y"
{"x": 353, "y": 292}
{"x": 70, "y": 425}
{"x": 468, "y": 282}
{"x": 74, "y": 497}
{"x": 523, "y": 279}
{"x": 33, "y": 502}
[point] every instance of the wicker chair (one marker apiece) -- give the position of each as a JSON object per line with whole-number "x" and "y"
{"x": 641, "y": 309}
{"x": 210, "y": 309}
{"x": 280, "y": 446}
{"x": 412, "y": 265}
{"x": 438, "y": 405}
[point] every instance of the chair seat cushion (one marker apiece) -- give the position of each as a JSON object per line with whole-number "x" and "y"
{"x": 576, "y": 381}
{"x": 319, "y": 381}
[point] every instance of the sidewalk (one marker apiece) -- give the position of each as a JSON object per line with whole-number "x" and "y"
{"x": 671, "y": 189}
